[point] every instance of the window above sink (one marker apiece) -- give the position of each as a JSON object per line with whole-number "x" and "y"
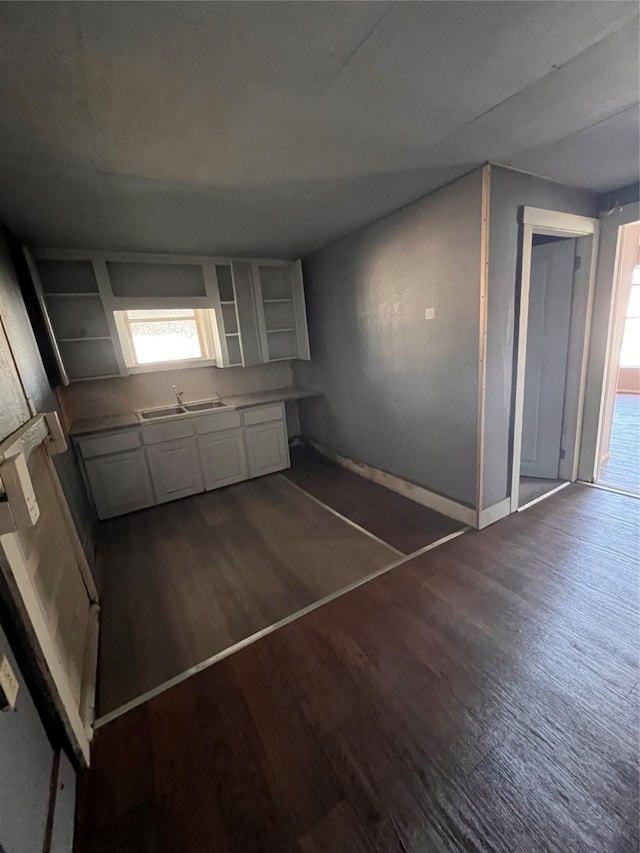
{"x": 155, "y": 338}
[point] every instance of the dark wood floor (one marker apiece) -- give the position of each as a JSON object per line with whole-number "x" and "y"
{"x": 403, "y": 523}
{"x": 480, "y": 697}
{"x": 186, "y": 580}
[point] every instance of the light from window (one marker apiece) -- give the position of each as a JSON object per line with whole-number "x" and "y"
{"x": 160, "y": 335}
{"x": 630, "y": 352}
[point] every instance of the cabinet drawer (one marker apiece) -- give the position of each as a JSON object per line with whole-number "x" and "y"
{"x": 216, "y": 422}
{"x": 167, "y": 431}
{"x": 264, "y": 414}
{"x": 112, "y": 442}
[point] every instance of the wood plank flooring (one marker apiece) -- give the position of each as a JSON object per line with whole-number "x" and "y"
{"x": 186, "y": 580}
{"x": 405, "y": 524}
{"x": 480, "y": 697}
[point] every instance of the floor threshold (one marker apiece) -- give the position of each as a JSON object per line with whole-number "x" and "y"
{"x": 263, "y": 632}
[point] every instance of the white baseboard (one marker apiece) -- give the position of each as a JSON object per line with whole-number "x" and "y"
{"x": 494, "y": 513}
{"x": 420, "y": 495}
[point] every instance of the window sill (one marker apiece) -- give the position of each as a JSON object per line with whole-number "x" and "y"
{"x": 170, "y": 365}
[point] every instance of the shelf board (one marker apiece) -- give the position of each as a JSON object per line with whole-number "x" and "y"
{"x": 276, "y": 301}
{"x": 232, "y": 334}
{"x": 284, "y": 358}
{"x": 277, "y": 331}
{"x": 227, "y": 302}
{"x": 88, "y": 338}
{"x": 92, "y": 378}
{"x": 74, "y": 295}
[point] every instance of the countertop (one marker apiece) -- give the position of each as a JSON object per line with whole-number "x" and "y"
{"x": 239, "y": 401}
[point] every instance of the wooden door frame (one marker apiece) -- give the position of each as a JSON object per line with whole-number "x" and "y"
{"x": 553, "y": 223}
{"x": 625, "y": 257}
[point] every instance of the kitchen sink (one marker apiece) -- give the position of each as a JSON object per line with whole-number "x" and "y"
{"x": 185, "y": 409}
{"x": 162, "y": 413}
{"x": 202, "y": 407}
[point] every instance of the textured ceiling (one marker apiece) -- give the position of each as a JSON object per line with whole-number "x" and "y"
{"x": 272, "y": 128}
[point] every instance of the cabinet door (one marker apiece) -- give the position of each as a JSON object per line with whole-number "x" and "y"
{"x": 223, "y": 458}
{"x": 267, "y": 448}
{"x": 119, "y": 483}
{"x": 175, "y": 469}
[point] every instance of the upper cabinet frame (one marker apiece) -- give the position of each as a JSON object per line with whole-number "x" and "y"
{"x": 251, "y": 326}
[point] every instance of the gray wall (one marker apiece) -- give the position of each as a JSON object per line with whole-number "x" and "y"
{"x": 400, "y": 391}
{"x": 26, "y": 758}
{"x": 36, "y": 386}
{"x": 509, "y": 192}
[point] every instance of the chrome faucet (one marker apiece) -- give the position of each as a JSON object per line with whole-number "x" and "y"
{"x": 179, "y": 394}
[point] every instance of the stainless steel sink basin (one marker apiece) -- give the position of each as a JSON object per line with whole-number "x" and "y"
{"x": 202, "y": 407}
{"x": 181, "y": 411}
{"x": 162, "y": 413}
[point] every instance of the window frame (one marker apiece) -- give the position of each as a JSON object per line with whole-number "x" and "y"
{"x": 204, "y": 326}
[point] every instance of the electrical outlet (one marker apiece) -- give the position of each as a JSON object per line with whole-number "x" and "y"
{"x": 429, "y": 313}
{"x": 8, "y": 686}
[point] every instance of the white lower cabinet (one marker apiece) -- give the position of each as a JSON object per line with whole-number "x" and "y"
{"x": 119, "y": 483}
{"x": 222, "y": 458}
{"x": 173, "y": 459}
{"x": 267, "y": 448}
{"x": 175, "y": 469}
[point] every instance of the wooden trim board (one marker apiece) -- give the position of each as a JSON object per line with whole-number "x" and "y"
{"x": 538, "y": 221}
{"x": 544, "y": 496}
{"x": 494, "y": 513}
{"x": 340, "y": 516}
{"x": 419, "y": 494}
{"x": 236, "y": 647}
{"x": 482, "y": 333}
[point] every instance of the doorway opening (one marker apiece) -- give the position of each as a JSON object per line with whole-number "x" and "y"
{"x": 618, "y": 459}
{"x": 550, "y": 293}
{"x": 558, "y": 263}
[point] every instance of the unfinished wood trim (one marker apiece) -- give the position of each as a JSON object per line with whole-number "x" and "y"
{"x": 494, "y": 513}
{"x": 340, "y": 516}
{"x": 586, "y": 343}
{"x": 610, "y": 489}
{"x": 482, "y": 334}
{"x": 538, "y": 221}
{"x": 523, "y": 321}
{"x": 264, "y": 632}
{"x": 544, "y": 497}
{"x": 556, "y": 223}
{"x": 419, "y": 494}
